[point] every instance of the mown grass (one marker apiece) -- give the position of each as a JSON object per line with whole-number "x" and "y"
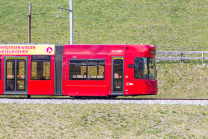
{"x": 103, "y": 121}
{"x": 187, "y": 80}
{"x": 168, "y": 24}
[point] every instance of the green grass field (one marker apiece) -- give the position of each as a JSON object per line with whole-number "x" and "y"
{"x": 188, "y": 80}
{"x": 168, "y": 24}
{"x": 102, "y": 121}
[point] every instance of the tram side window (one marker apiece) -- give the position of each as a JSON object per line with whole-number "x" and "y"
{"x": 140, "y": 68}
{"x": 144, "y": 68}
{"x": 86, "y": 70}
{"x": 152, "y": 69}
{"x": 41, "y": 70}
{"x": 96, "y": 70}
{"x": 77, "y": 70}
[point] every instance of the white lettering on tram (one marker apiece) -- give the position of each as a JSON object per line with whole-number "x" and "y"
{"x": 127, "y": 84}
{"x": 116, "y": 51}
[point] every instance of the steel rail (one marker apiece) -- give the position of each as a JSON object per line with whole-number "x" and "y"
{"x": 97, "y": 98}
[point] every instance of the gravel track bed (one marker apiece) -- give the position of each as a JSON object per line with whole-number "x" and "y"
{"x": 97, "y": 101}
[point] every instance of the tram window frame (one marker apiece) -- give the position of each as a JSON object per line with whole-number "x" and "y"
{"x": 144, "y": 71}
{"x": 42, "y": 61}
{"x": 152, "y": 68}
{"x": 89, "y": 63}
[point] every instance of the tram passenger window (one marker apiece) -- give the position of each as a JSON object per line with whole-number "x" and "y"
{"x": 41, "y": 70}
{"x": 77, "y": 70}
{"x": 86, "y": 70}
{"x": 96, "y": 70}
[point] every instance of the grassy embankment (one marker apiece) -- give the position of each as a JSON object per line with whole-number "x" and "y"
{"x": 188, "y": 80}
{"x": 102, "y": 121}
{"x": 168, "y": 24}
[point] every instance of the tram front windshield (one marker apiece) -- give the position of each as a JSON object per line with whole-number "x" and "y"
{"x": 144, "y": 68}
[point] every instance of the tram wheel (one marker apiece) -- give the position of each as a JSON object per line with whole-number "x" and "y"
{"x": 112, "y": 97}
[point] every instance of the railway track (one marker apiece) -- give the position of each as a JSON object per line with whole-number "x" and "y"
{"x": 49, "y": 100}
{"x": 100, "y": 98}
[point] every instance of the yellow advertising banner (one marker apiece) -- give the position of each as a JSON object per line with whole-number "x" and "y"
{"x": 27, "y": 49}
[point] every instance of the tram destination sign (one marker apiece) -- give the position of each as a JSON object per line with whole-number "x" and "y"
{"x": 27, "y": 49}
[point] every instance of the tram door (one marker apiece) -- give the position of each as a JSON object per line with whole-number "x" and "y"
{"x": 15, "y": 75}
{"x": 117, "y": 76}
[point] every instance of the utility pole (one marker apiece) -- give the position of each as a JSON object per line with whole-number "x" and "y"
{"x": 29, "y": 27}
{"x": 29, "y": 31}
{"x": 70, "y": 19}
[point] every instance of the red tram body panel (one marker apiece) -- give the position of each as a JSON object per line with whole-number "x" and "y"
{"x": 108, "y": 53}
{"x": 77, "y": 70}
{"x": 27, "y": 69}
{"x": 41, "y": 87}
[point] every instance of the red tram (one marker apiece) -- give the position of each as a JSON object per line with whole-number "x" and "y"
{"x": 77, "y": 70}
